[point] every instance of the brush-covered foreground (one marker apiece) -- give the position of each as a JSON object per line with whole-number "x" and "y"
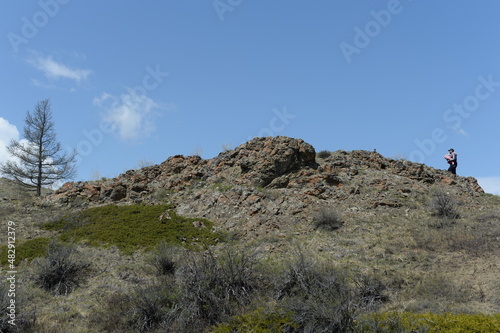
{"x": 184, "y": 276}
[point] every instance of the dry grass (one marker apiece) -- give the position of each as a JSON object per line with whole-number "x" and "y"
{"x": 420, "y": 262}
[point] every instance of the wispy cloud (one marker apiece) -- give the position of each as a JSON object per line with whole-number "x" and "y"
{"x": 55, "y": 70}
{"x": 490, "y": 184}
{"x": 130, "y": 114}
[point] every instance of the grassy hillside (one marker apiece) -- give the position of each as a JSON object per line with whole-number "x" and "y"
{"x": 381, "y": 255}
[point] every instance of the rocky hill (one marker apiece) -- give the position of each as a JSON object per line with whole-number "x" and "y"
{"x": 286, "y": 219}
{"x": 263, "y": 185}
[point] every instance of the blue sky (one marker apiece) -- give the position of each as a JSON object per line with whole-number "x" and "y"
{"x": 134, "y": 82}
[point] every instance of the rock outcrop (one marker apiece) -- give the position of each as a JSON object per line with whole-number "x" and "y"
{"x": 269, "y": 184}
{"x": 261, "y": 161}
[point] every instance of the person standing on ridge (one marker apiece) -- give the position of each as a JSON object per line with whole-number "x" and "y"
{"x": 451, "y": 158}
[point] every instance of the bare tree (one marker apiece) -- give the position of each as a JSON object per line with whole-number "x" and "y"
{"x": 39, "y": 160}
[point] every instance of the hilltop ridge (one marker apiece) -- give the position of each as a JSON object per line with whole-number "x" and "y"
{"x": 265, "y": 184}
{"x": 273, "y": 163}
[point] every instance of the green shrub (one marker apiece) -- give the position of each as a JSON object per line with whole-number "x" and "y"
{"x": 214, "y": 288}
{"x": 205, "y": 290}
{"x": 318, "y": 296}
{"x": 260, "y": 320}
{"x": 389, "y": 322}
{"x": 30, "y": 249}
{"x": 429, "y": 322}
{"x": 153, "y": 306}
{"x": 133, "y": 227}
{"x": 327, "y": 219}
{"x": 114, "y": 313}
{"x": 142, "y": 309}
{"x": 165, "y": 258}
{"x": 444, "y": 204}
{"x": 62, "y": 269}
{"x": 370, "y": 291}
{"x": 451, "y": 323}
{"x": 324, "y": 154}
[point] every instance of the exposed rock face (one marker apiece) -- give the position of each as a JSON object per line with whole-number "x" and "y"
{"x": 269, "y": 184}
{"x": 262, "y": 160}
{"x": 259, "y": 162}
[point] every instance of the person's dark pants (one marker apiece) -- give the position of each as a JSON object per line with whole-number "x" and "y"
{"x": 453, "y": 169}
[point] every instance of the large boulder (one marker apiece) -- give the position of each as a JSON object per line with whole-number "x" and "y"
{"x": 261, "y": 160}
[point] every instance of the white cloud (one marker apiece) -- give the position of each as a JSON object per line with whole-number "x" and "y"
{"x": 54, "y": 70}
{"x": 130, "y": 114}
{"x": 490, "y": 184}
{"x": 7, "y": 133}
